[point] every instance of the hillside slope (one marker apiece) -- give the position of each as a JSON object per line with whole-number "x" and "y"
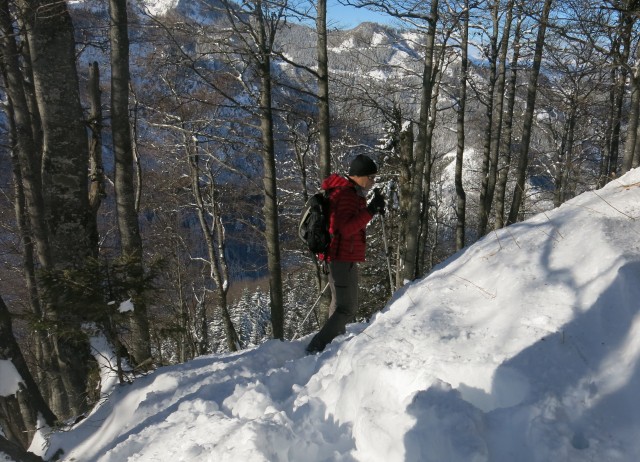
{"x": 522, "y": 347}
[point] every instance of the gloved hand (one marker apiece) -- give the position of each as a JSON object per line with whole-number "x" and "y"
{"x": 376, "y": 204}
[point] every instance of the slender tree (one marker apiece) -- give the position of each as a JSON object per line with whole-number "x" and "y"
{"x": 461, "y": 197}
{"x": 214, "y": 236}
{"x": 497, "y": 116}
{"x": 422, "y": 153}
{"x": 404, "y": 191}
{"x": 256, "y": 26}
{"x": 620, "y": 51}
{"x": 505, "y": 147}
{"x": 128, "y": 226}
{"x": 527, "y": 127}
{"x": 631, "y": 9}
{"x": 266, "y": 29}
{"x": 489, "y": 163}
{"x": 96, "y": 168}
{"x": 324, "y": 125}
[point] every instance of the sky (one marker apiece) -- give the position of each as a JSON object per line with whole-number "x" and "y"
{"x": 348, "y": 17}
{"x": 338, "y": 15}
{"x": 524, "y": 346}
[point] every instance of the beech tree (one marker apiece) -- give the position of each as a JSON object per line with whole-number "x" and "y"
{"x": 28, "y": 201}
{"x": 629, "y": 11}
{"x": 324, "y": 119}
{"x": 128, "y": 226}
{"x": 489, "y": 161}
{"x": 527, "y": 127}
{"x": 256, "y": 25}
{"x": 422, "y": 160}
{"x": 96, "y": 168}
{"x": 632, "y": 148}
{"x": 52, "y": 161}
{"x": 506, "y": 134}
{"x": 461, "y": 202}
{"x": 499, "y": 49}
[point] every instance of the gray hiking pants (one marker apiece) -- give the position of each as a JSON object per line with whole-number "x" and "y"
{"x": 343, "y": 281}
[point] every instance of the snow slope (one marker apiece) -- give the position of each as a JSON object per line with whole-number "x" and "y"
{"x": 522, "y": 347}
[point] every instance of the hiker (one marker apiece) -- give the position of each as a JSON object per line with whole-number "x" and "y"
{"x": 348, "y": 217}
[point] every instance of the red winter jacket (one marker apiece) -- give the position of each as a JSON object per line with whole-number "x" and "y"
{"x": 348, "y": 219}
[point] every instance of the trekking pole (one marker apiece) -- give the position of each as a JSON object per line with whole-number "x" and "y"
{"x": 386, "y": 252}
{"x": 295, "y": 336}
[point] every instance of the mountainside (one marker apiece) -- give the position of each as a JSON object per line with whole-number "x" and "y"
{"x": 523, "y": 347}
{"x": 188, "y": 74}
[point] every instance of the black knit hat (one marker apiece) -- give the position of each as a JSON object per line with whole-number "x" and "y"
{"x": 362, "y": 166}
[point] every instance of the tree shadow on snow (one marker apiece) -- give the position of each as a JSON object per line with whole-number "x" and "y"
{"x": 555, "y": 396}
{"x": 563, "y": 384}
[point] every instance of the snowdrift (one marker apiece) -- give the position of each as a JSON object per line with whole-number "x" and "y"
{"x": 522, "y": 347}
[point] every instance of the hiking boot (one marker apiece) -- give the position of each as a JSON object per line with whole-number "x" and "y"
{"x": 313, "y": 349}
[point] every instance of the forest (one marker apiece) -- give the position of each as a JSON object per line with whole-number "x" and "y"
{"x": 155, "y": 160}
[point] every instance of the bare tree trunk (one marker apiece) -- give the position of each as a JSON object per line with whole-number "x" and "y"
{"x": 423, "y": 240}
{"x": 20, "y": 413}
{"x": 261, "y": 28}
{"x": 489, "y": 166}
{"x": 532, "y": 91}
{"x": 47, "y": 373}
{"x": 64, "y": 192}
{"x": 128, "y": 225}
{"x": 630, "y": 153}
{"x": 605, "y": 161}
{"x": 505, "y": 139}
{"x": 20, "y": 203}
{"x": 97, "y": 194}
{"x": 30, "y": 94}
{"x": 324, "y": 125}
{"x": 203, "y": 346}
{"x": 270, "y": 209}
{"x": 214, "y": 240}
{"x": 461, "y": 197}
{"x": 412, "y": 227}
{"x": 621, "y": 52}
{"x": 25, "y": 146}
{"x": 134, "y": 149}
{"x": 65, "y": 156}
{"x": 564, "y": 159}
{"x": 497, "y": 117}
{"x": 406, "y": 162}
{"x": 96, "y": 169}
{"x": 616, "y": 121}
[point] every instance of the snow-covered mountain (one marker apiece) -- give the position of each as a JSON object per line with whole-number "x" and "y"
{"x": 524, "y": 346}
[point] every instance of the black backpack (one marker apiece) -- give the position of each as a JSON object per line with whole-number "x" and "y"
{"x": 314, "y": 223}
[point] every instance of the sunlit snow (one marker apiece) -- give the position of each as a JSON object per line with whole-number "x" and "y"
{"x": 160, "y": 7}
{"x": 10, "y": 378}
{"x": 126, "y": 306}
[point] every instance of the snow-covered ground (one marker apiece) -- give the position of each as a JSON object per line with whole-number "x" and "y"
{"x": 523, "y": 347}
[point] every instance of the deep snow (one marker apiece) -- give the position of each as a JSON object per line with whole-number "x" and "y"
{"x": 522, "y": 347}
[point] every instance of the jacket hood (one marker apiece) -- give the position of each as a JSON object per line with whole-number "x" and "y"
{"x": 335, "y": 181}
